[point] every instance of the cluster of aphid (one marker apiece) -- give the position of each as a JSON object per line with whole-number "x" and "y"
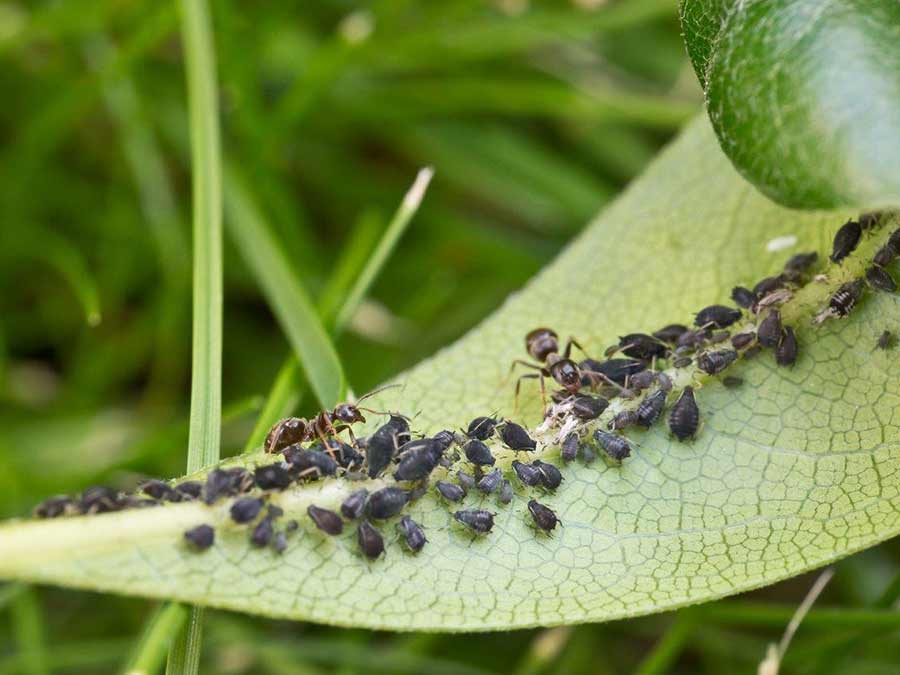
{"x": 720, "y": 336}
{"x": 632, "y": 390}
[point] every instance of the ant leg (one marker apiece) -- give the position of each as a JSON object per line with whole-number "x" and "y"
{"x": 521, "y": 362}
{"x": 529, "y": 376}
{"x": 568, "y": 350}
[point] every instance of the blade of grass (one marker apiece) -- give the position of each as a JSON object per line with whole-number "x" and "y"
{"x": 28, "y": 626}
{"x": 206, "y": 359}
{"x": 287, "y": 297}
{"x": 666, "y": 651}
{"x": 150, "y": 652}
{"x": 408, "y": 207}
{"x": 184, "y": 654}
{"x": 285, "y": 390}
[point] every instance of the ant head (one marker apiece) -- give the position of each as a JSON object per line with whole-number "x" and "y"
{"x": 347, "y": 413}
{"x": 567, "y": 374}
{"x": 541, "y": 342}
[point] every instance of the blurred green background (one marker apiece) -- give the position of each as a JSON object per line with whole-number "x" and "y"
{"x": 534, "y": 116}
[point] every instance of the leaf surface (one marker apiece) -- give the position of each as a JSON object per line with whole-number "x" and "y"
{"x": 803, "y": 94}
{"x": 792, "y": 470}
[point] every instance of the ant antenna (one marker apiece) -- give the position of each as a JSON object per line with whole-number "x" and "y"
{"x": 377, "y": 391}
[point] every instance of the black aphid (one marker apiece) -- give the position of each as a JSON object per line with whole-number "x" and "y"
{"x": 418, "y": 459}
{"x": 894, "y": 240}
{"x": 491, "y": 481}
{"x": 200, "y": 537}
{"x": 670, "y": 334}
{"x": 642, "y": 380}
{"x": 543, "y": 516}
{"x": 466, "y": 480}
{"x": 719, "y": 337}
{"x": 642, "y": 346}
{"x": 713, "y": 363}
{"x": 801, "y": 262}
{"x": 386, "y": 503}
{"x": 623, "y": 420}
{"x": 586, "y": 407}
{"x": 880, "y": 280}
{"x": 326, "y": 520}
{"x": 135, "y": 502}
{"x": 569, "y": 448}
{"x": 786, "y": 351}
{"x": 272, "y": 476}
{"x": 846, "y": 297}
{"x": 682, "y": 362}
{"x": 769, "y": 331}
{"x": 685, "y": 416}
{"x": 478, "y": 453}
{"x": 481, "y": 428}
{"x": 885, "y": 340}
{"x": 588, "y": 455}
{"x": 279, "y": 542}
{"x": 100, "y": 499}
{"x": 506, "y": 492}
{"x": 743, "y": 297}
{"x": 413, "y": 533}
{"x": 742, "y": 340}
{"x": 615, "y": 370}
{"x": 615, "y": 446}
{"x": 352, "y": 507}
{"x": 190, "y": 489}
{"x": 246, "y": 509}
{"x": 529, "y": 475}
{"x": 383, "y": 444}
{"x": 274, "y": 511}
{"x": 869, "y": 219}
{"x": 693, "y": 339}
{"x": 732, "y": 382}
{"x": 450, "y": 491}
{"x": 665, "y": 382}
{"x": 651, "y": 408}
{"x": 752, "y": 352}
{"x": 160, "y": 490}
{"x": 477, "y": 520}
{"x": 516, "y": 438}
{"x": 342, "y": 453}
{"x": 444, "y": 439}
{"x": 371, "y": 543}
{"x": 309, "y": 462}
{"x": 55, "y": 506}
{"x": 717, "y": 316}
{"x": 262, "y": 533}
{"x": 767, "y": 286}
{"x": 551, "y": 478}
{"x": 226, "y": 483}
{"x": 845, "y": 240}
{"x": 885, "y": 255}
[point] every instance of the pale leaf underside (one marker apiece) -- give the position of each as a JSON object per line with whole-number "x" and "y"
{"x": 792, "y": 470}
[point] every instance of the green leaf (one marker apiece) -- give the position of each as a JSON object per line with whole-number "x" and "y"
{"x": 792, "y": 470}
{"x": 804, "y": 94}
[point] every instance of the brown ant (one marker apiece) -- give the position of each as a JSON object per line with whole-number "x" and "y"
{"x": 542, "y": 345}
{"x": 326, "y": 423}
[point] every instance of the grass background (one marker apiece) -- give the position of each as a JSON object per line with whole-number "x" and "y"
{"x": 533, "y": 114}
